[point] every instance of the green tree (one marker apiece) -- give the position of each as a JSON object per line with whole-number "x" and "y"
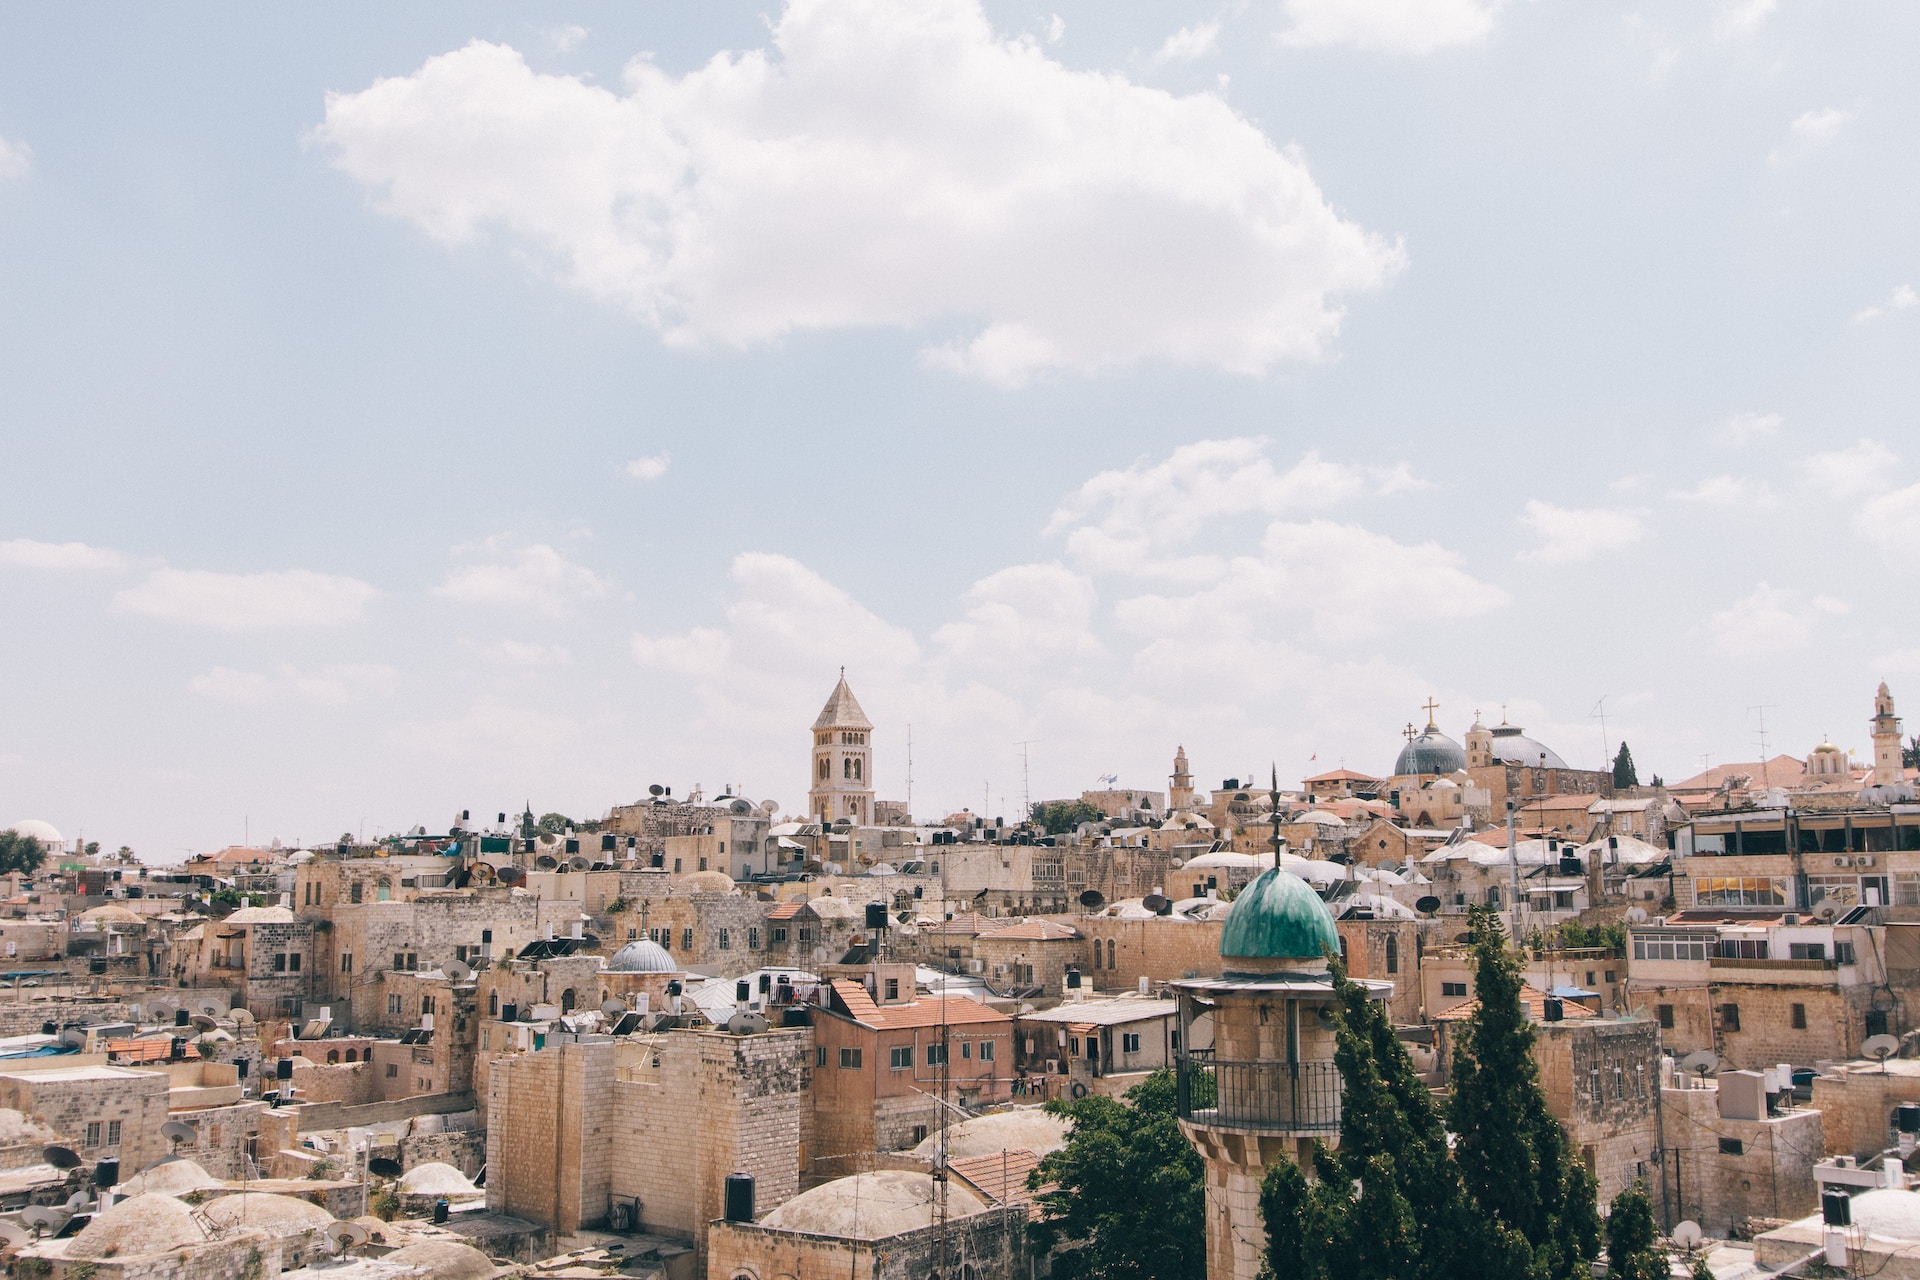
{"x": 24, "y": 854}
{"x": 1624, "y": 774}
{"x": 1701, "y": 1271}
{"x": 1633, "y": 1247}
{"x": 1057, "y": 817}
{"x": 552, "y": 824}
{"x": 1910, "y": 754}
{"x": 1513, "y": 1154}
{"x": 1130, "y": 1202}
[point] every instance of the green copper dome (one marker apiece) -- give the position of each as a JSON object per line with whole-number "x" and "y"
{"x": 1279, "y": 916}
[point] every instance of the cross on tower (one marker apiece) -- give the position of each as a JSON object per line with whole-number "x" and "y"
{"x": 1408, "y": 732}
{"x": 1430, "y": 708}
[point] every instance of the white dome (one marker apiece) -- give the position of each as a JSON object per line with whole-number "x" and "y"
{"x": 871, "y": 1206}
{"x": 1889, "y": 1213}
{"x": 642, "y": 956}
{"x": 45, "y": 832}
{"x": 997, "y": 1131}
{"x": 1225, "y": 858}
{"x": 137, "y": 1226}
{"x": 436, "y": 1178}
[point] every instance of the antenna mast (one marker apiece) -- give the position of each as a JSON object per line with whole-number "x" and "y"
{"x": 909, "y": 768}
{"x": 1026, "y": 791}
{"x": 1761, "y": 710}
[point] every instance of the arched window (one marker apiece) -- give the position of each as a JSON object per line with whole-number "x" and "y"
{"x": 566, "y": 1000}
{"x": 826, "y": 769}
{"x": 493, "y": 1004}
{"x": 846, "y": 767}
{"x": 1110, "y": 953}
{"x": 856, "y": 770}
{"x": 353, "y": 1055}
{"x": 383, "y": 891}
{"x": 333, "y": 1057}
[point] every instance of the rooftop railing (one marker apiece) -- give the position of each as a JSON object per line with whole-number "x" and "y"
{"x": 1282, "y": 1097}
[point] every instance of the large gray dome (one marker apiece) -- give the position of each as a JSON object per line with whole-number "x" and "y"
{"x": 642, "y": 956}
{"x": 1431, "y": 752}
{"x": 1511, "y": 746}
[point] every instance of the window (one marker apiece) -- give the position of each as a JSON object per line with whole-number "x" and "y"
{"x": 1393, "y": 955}
{"x": 900, "y": 1058}
{"x": 356, "y": 892}
{"x": 393, "y": 1071}
{"x": 293, "y": 961}
{"x": 393, "y": 1003}
{"x": 966, "y": 1050}
{"x": 1110, "y": 953}
{"x": 1906, "y": 889}
{"x": 1130, "y": 1042}
{"x": 986, "y": 1051}
{"x": 936, "y": 1055}
{"x": 1876, "y": 1022}
{"x": 1729, "y": 1017}
{"x": 383, "y": 891}
{"x": 1799, "y": 1017}
{"x": 1669, "y": 947}
{"x": 493, "y": 1004}
{"x": 686, "y": 939}
{"x": 346, "y": 962}
{"x": 753, "y": 939}
{"x": 726, "y": 941}
{"x": 113, "y": 1133}
{"x": 279, "y": 962}
{"x": 919, "y": 1133}
{"x": 1732, "y": 1147}
{"x": 893, "y": 988}
{"x": 850, "y": 1059}
{"x": 1664, "y": 1012}
{"x": 1806, "y": 951}
{"x": 426, "y": 1004}
{"x": 1743, "y": 891}
{"x": 703, "y": 862}
{"x": 1843, "y": 953}
{"x": 1611, "y": 976}
{"x": 779, "y": 935}
{"x": 1450, "y": 989}
{"x": 93, "y": 1133}
{"x": 820, "y": 1056}
{"x": 676, "y": 866}
{"x": 1743, "y": 948}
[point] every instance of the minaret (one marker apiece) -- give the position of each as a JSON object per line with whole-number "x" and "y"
{"x": 1888, "y": 770}
{"x": 842, "y": 772}
{"x": 1180, "y": 798}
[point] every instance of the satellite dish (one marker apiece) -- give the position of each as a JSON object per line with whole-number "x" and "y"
{"x": 1427, "y": 905}
{"x": 511, "y": 875}
{"x": 61, "y": 1157}
{"x": 1687, "y": 1235}
{"x": 159, "y": 1009}
{"x": 1880, "y": 1048}
{"x": 1325, "y": 1017}
{"x": 1093, "y": 899}
{"x": 1701, "y": 1062}
{"x": 11, "y": 1233}
{"x": 212, "y": 1008}
{"x": 242, "y": 1018}
{"x": 1157, "y": 903}
{"x": 201, "y": 1022}
{"x": 614, "y": 1007}
{"x": 175, "y": 1132}
{"x": 580, "y": 862}
{"x": 75, "y": 1036}
{"x": 456, "y": 971}
{"x": 346, "y": 1235}
{"x": 655, "y": 789}
{"x": 44, "y": 1217}
{"x": 1638, "y": 915}
{"x": 740, "y": 808}
{"x": 1826, "y": 909}
{"x": 79, "y": 1202}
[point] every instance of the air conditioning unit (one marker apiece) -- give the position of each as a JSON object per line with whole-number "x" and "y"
{"x": 1842, "y": 860}
{"x": 976, "y": 966}
{"x": 1053, "y": 1066}
{"x": 1864, "y": 860}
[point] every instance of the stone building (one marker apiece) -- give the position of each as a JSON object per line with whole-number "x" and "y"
{"x": 1100, "y": 1046}
{"x": 1736, "y": 1151}
{"x": 264, "y": 955}
{"x": 1856, "y": 1101}
{"x": 704, "y": 922}
{"x": 363, "y": 942}
{"x": 841, "y": 787}
{"x": 882, "y": 1225}
{"x": 111, "y": 1112}
{"x": 1125, "y": 947}
{"x": 1032, "y": 956}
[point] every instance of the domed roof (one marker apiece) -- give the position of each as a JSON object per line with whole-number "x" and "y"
{"x": 110, "y": 914}
{"x": 260, "y": 915}
{"x": 171, "y": 1177}
{"x": 1431, "y": 752}
{"x": 642, "y": 956}
{"x": 1279, "y": 916}
{"x": 436, "y": 1178}
{"x": 1511, "y": 746}
{"x": 707, "y": 882}
{"x": 17, "y": 1127}
{"x": 443, "y": 1260}
{"x": 1024, "y": 1127}
{"x": 1888, "y": 1212}
{"x": 282, "y": 1215}
{"x": 45, "y": 832}
{"x": 137, "y": 1226}
{"x": 870, "y": 1206}
{"x": 1225, "y": 858}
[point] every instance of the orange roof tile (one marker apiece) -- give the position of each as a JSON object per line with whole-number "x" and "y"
{"x": 1531, "y": 996}
{"x": 139, "y": 1050}
{"x": 787, "y": 911}
{"x": 924, "y": 1012}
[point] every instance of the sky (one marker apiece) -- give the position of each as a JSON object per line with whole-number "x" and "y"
{"x": 461, "y": 407}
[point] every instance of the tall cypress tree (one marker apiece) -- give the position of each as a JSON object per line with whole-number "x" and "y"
{"x": 1512, "y": 1153}
{"x": 1633, "y": 1248}
{"x": 1624, "y": 774}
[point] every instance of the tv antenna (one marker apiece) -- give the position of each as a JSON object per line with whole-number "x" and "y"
{"x": 1026, "y": 791}
{"x": 1760, "y": 734}
{"x": 909, "y": 768}
{"x": 1599, "y": 713}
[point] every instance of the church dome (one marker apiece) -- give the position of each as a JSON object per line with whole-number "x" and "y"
{"x": 1511, "y": 746}
{"x": 1431, "y": 752}
{"x": 642, "y": 956}
{"x": 1279, "y": 916}
{"x": 45, "y": 832}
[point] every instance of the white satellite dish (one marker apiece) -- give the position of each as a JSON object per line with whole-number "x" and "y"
{"x": 580, "y": 862}
{"x": 212, "y": 1008}
{"x": 613, "y": 1008}
{"x": 201, "y": 1022}
{"x": 43, "y": 1217}
{"x": 456, "y": 971}
{"x": 1826, "y": 909}
{"x": 1880, "y": 1048}
{"x": 1636, "y": 915}
{"x": 79, "y": 1202}
{"x": 159, "y": 1009}
{"x": 1701, "y": 1062}
{"x": 175, "y": 1132}
{"x": 75, "y": 1036}
{"x": 346, "y": 1235}
{"x": 1687, "y": 1235}
{"x": 242, "y": 1018}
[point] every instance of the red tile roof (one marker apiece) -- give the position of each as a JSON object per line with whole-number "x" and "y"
{"x": 787, "y": 910}
{"x": 1531, "y": 996}
{"x": 924, "y": 1012}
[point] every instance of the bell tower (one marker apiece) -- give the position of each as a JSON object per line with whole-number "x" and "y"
{"x": 1887, "y": 767}
{"x": 841, "y": 776}
{"x": 1180, "y": 798}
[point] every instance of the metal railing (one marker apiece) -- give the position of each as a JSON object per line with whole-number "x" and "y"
{"x": 1297, "y": 1097}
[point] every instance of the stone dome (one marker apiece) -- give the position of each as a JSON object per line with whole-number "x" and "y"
{"x": 110, "y": 914}
{"x": 643, "y": 955}
{"x": 1431, "y": 752}
{"x": 1888, "y": 1212}
{"x": 45, "y": 832}
{"x": 1511, "y": 746}
{"x": 871, "y": 1206}
{"x": 138, "y": 1226}
{"x": 260, "y": 915}
{"x": 443, "y": 1260}
{"x": 707, "y": 882}
{"x": 281, "y": 1215}
{"x": 1028, "y": 1128}
{"x": 174, "y": 1176}
{"x": 436, "y": 1178}
{"x": 1279, "y": 916}
{"x": 18, "y": 1127}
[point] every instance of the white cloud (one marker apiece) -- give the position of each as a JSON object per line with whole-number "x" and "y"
{"x": 1860, "y": 468}
{"x": 1568, "y": 534}
{"x": 1056, "y": 29}
{"x": 328, "y": 686}
{"x": 1892, "y": 521}
{"x": 1727, "y": 491}
{"x": 1771, "y": 620}
{"x": 881, "y": 166}
{"x": 1810, "y": 131}
{"x": 651, "y": 467}
{"x": 565, "y": 39}
{"x": 1190, "y": 44}
{"x": 1023, "y": 615}
{"x": 488, "y": 729}
{"x": 1902, "y": 298}
{"x": 536, "y": 577}
{"x": 247, "y": 601}
{"x": 1412, "y": 28}
{"x": 16, "y": 158}
{"x": 1134, "y": 520}
{"x": 1742, "y": 429}
{"x": 521, "y": 653}
{"x": 1735, "y": 19}
{"x": 59, "y": 557}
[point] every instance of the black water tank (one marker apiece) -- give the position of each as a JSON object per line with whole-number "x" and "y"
{"x": 440, "y": 1209}
{"x": 1906, "y": 1117}
{"x": 106, "y": 1174}
{"x": 179, "y": 1050}
{"x": 49, "y": 1028}
{"x": 1836, "y": 1207}
{"x": 1073, "y": 979}
{"x": 181, "y": 1017}
{"x": 743, "y": 991}
{"x": 739, "y": 1197}
{"x": 1554, "y": 1012}
{"x": 283, "y": 1069}
{"x": 509, "y": 1013}
{"x": 876, "y": 915}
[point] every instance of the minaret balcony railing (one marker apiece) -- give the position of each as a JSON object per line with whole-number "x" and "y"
{"x": 1272, "y": 1097}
